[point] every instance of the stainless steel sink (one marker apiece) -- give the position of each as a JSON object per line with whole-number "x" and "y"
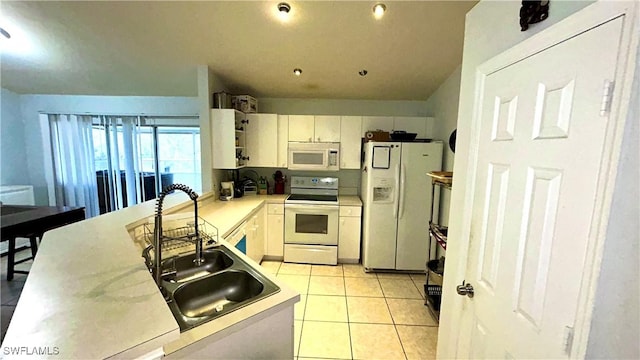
{"x": 229, "y": 283}
{"x": 212, "y": 294}
{"x": 183, "y": 268}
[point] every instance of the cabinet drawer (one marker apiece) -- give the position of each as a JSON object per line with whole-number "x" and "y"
{"x": 350, "y": 210}
{"x": 275, "y": 209}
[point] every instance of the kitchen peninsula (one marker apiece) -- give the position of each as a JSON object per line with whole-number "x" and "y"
{"x": 90, "y": 295}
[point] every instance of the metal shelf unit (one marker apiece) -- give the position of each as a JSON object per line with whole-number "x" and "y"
{"x": 437, "y": 233}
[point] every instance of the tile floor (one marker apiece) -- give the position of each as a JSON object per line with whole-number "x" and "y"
{"x": 345, "y": 313}
{"x": 10, "y": 290}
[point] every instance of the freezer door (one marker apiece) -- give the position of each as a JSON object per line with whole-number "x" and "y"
{"x": 414, "y": 208}
{"x": 380, "y": 184}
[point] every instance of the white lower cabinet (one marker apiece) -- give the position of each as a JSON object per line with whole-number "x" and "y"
{"x": 349, "y": 230}
{"x": 256, "y": 233}
{"x": 275, "y": 231}
{"x": 264, "y": 336}
{"x": 250, "y": 236}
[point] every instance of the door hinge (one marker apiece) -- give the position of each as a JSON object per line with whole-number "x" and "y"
{"x": 568, "y": 339}
{"x": 607, "y": 95}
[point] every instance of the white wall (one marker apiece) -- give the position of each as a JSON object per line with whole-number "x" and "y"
{"x": 208, "y": 83}
{"x": 12, "y": 142}
{"x": 443, "y": 106}
{"x": 491, "y": 27}
{"x": 34, "y": 105}
{"x": 341, "y": 107}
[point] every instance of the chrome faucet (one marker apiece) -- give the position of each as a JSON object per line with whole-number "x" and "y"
{"x": 157, "y": 232}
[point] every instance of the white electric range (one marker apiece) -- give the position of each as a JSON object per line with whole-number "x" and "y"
{"x": 311, "y": 221}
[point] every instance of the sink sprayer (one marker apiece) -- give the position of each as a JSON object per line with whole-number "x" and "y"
{"x": 157, "y": 231}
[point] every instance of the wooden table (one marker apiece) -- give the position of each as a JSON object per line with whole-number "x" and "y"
{"x": 32, "y": 222}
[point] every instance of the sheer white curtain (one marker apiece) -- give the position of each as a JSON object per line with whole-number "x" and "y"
{"x": 125, "y": 179}
{"x": 74, "y": 169}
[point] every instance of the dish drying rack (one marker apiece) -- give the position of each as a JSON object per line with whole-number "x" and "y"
{"x": 179, "y": 234}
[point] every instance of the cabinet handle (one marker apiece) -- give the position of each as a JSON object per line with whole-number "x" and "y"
{"x": 310, "y": 139}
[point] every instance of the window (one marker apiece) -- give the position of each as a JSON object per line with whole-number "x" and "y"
{"x": 130, "y": 159}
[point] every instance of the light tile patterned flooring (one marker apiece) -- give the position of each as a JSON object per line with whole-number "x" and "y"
{"x": 345, "y": 313}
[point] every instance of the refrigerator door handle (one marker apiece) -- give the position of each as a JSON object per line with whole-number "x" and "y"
{"x": 403, "y": 178}
{"x": 397, "y": 195}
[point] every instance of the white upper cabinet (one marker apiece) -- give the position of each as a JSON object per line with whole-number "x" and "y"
{"x": 372, "y": 123}
{"x": 411, "y": 124}
{"x": 283, "y": 140}
{"x": 301, "y": 128}
{"x": 228, "y": 135}
{"x": 350, "y": 141}
{"x": 261, "y": 144}
{"x": 309, "y": 128}
{"x": 327, "y": 128}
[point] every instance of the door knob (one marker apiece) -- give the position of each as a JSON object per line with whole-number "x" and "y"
{"x": 465, "y": 289}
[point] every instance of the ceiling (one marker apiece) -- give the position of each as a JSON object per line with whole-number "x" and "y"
{"x": 153, "y": 48}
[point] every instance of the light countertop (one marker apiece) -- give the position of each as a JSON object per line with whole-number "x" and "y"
{"x": 349, "y": 200}
{"x": 89, "y": 294}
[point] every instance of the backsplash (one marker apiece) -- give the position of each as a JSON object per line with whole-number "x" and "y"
{"x": 349, "y": 179}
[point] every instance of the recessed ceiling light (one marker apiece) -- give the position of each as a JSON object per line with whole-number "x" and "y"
{"x": 297, "y": 71}
{"x": 363, "y": 72}
{"x": 5, "y": 33}
{"x": 284, "y": 8}
{"x": 378, "y": 10}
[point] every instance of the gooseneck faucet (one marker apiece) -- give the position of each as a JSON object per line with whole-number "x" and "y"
{"x": 157, "y": 231}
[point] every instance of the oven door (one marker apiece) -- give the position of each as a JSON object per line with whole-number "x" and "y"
{"x": 311, "y": 224}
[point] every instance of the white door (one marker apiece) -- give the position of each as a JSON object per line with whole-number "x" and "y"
{"x": 380, "y": 184}
{"x": 541, "y": 140}
{"x": 283, "y": 140}
{"x": 414, "y": 204}
{"x": 350, "y": 142}
{"x": 262, "y": 144}
{"x": 301, "y": 128}
{"x": 327, "y": 128}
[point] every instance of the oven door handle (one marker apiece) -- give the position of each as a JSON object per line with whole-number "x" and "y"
{"x": 314, "y": 209}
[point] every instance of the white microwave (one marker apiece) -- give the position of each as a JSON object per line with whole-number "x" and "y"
{"x": 314, "y": 156}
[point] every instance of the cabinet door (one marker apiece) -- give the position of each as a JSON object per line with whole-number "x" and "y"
{"x": 411, "y": 124}
{"x": 350, "y": 142}
{"x": 250, "y": 231}
{"x": 262, "y": 145}
{"x": 301, "y": 128}
{"x": 225, "y": 125}
{"x": 260, "y": 226}
{"x": 349, "y": 238}
{"x": 283, "y": 141}
{"x": 431, "y": 132}
{"x": 275, "y": 235}
{"x": 371, "y": 123}
{"x": 327, "y": 128}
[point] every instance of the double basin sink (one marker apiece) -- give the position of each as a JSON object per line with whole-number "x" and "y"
{"x": 223, "y": 283}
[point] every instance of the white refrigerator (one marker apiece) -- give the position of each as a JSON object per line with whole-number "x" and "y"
{"x": 396, "y": 196}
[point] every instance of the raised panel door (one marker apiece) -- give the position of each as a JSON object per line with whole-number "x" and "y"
{"x": 540, "y": 145}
